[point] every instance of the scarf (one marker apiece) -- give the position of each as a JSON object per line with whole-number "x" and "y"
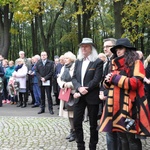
{"x": 66, "y": 75}
{"x": 18, "y": 67}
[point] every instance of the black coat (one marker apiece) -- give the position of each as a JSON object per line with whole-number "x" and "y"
{"x": 92, "y": 79}
{"x": 2, "y": 71}
{"x": 46, "y": 71}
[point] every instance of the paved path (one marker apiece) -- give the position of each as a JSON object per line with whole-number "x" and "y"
{"x": 32, "y": 133}
{"x": 24, "y": 129}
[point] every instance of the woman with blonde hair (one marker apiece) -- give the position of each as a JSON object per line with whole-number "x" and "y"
{"x": 20, "y": 75}
{"x": 64, "y": 81}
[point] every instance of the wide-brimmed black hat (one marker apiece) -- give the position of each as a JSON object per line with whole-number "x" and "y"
{"x": 123, "y": 42}
{"x": 87, "y": 41}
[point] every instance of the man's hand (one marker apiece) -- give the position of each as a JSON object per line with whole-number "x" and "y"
{"x": 102, "y": 96}
{"x": 77, "y": 95}
{"x": 43, "y": 79}
{"x": 108, "y": 76}
{"x": 146, "y": 80}
{"x": 83, "y": 90}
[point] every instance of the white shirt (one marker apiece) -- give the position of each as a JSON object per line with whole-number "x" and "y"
{"x": 44, "y": 62}
{"x": 85, "y": 64}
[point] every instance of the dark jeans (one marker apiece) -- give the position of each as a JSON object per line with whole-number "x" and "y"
{"x": 27, "y": 91}
{"x": 1, "y": 100}
{"x": 5, "y": 91}
{"x": 79, "y": 109}
{"x": 129, "y": 142}
{"x": 56, "y": 90}
{"x": 22, "y": 98}
{"x": 113, "y": 141}
{"x": 46, "y": 89}
{"x": 37, "y": 93}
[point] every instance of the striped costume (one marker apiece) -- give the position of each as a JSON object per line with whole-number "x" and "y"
{"x": 126, "y": 99}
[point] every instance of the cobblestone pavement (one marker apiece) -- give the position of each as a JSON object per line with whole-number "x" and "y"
{"x": 34, "y": 133}
{"x": 24, "y": 129}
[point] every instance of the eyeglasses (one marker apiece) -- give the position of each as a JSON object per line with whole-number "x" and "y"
{"x": 107, "y": 46}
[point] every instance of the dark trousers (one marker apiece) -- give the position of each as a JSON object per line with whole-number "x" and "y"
{"x": 5, "y": 91}
{"x": 22, "y": 98}
{"x": 46, "y": 89}
{"x": 113, "y": 141}
{"x": 32, "y": 96}
{"x": 14, "y": 98}
{"x": 1, "y": 100}
{"x": 78, "y": 120}
{"x": 27, "y": 90}
{"x": 129, "y": 142}
{"x": 56, "y": 90}
{"x": 147, "y": 89}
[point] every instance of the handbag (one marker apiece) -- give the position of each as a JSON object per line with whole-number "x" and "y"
{"x": 70, "y": 104}
{"x": 64, "y": 94}
{"x": 71, "y": 100}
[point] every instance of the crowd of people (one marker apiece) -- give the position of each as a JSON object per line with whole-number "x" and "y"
{"x": 111, "y": 89}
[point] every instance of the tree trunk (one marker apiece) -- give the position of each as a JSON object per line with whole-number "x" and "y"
{"x": 34, "y": 29}
{"x": 76, "y": 4}
{"x": 1, "y": 33}
{"x": 118, "y": 6}
{"x": 88, "y": 12}
{"x": 4, "y": 30}
{"x": 47, "y": 38}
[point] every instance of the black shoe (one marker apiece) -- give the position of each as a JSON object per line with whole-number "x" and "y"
{"x": 35, "y": 106}
{"x": 42, "y": 111}
{"x": 51, "y": 112}
{"x": 69, "y": 136}
{"x": 31, "y": 103}
{"x": 19, "y": 105}
{"x": 72, "y": 138}
{"x": 23, "y": 106}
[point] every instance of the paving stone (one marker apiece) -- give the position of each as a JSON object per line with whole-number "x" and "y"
{"x": 36, "y": 133}
{"x": 24, "y": 129}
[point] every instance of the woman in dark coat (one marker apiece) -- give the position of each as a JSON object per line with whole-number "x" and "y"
{"x": 147, "y": 74}
{"x": 1, "y": 84}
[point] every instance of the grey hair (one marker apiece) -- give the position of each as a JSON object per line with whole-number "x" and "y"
{"x": 21, "y": 52}
{"x": 113, "y": 40}
{"x": 94, "y": 54}
{"x": 37, "y": 56}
